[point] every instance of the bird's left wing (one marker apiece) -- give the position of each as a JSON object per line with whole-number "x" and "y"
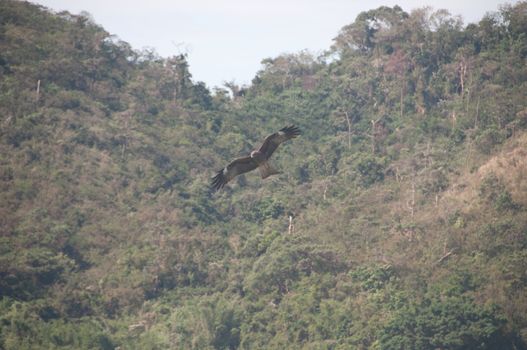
{"x": 272, "y": 141}
{"x": 235, "y": 168}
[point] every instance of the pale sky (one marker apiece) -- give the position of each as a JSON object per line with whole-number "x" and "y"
{"x": 227, "y": 39}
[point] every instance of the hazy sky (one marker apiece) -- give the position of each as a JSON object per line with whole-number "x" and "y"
{"x": 227, "y": 39}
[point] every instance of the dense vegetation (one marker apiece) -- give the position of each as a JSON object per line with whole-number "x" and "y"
{"x": 407, "y": 189}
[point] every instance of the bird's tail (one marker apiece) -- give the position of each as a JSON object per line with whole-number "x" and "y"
{"x": 267, "y": 170}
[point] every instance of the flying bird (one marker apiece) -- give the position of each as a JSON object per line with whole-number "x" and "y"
{"x": 256, "y": 159}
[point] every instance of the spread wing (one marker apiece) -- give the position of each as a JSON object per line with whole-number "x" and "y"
{"x": 235, "y": 168}
{"x": 272, "y": 141}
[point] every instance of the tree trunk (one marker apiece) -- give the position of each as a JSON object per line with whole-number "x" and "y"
{"x": 348, "y": 120}
{"x": 291, "y": 226}
{"x": 37, "y": 96}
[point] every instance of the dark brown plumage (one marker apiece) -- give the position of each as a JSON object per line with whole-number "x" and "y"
{"x": 257, "y": 159}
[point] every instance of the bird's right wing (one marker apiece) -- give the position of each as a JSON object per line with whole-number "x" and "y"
{"x": 235, "y": 168}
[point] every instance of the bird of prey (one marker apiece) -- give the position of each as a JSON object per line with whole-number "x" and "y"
{"x": 256, "y": 159}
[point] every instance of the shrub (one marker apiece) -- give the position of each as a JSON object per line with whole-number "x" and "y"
{"x": 445, "y": 323}
{"x": 493, "y": 191}
{"x": 370, "y": 169}
{"x": 488, "y": 139}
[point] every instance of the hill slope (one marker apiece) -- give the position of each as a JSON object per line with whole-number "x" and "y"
{"x": 407, "y": 190}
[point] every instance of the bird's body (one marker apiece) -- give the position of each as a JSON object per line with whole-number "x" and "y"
{"x": 265, "y": 168}
{"x": 257, "y": 159}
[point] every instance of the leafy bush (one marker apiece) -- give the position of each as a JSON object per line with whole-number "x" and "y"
{"x": 493, "y": 191}
{"x": 370, "y": 169}
{"x": 372, "y": 278}
{"x": 445, "y": 323}
{"x": 286, "y": 261}
{"x": 26, "y": 275}
{"x": 488, "y": 139}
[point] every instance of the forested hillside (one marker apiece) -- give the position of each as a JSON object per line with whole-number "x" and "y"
{"x": 407, "y": 190}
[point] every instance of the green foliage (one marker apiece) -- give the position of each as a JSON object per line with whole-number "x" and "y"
{"x": 266, "y": 208}
{"x": 493, "y": 191}
{"x": 447, "y": 323}
{"x": 21, "y": 325}
{"x": 286, "y": 261}
{"x": 438, "y": 182}
{"x": 488, "y": 139}
{"x": 370, "y": 169}
{"x": 25, "y": 273}
{"x": 372, "y": 278}
{"x": 504, "y": 202}
{"x": 111, "y": 237}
